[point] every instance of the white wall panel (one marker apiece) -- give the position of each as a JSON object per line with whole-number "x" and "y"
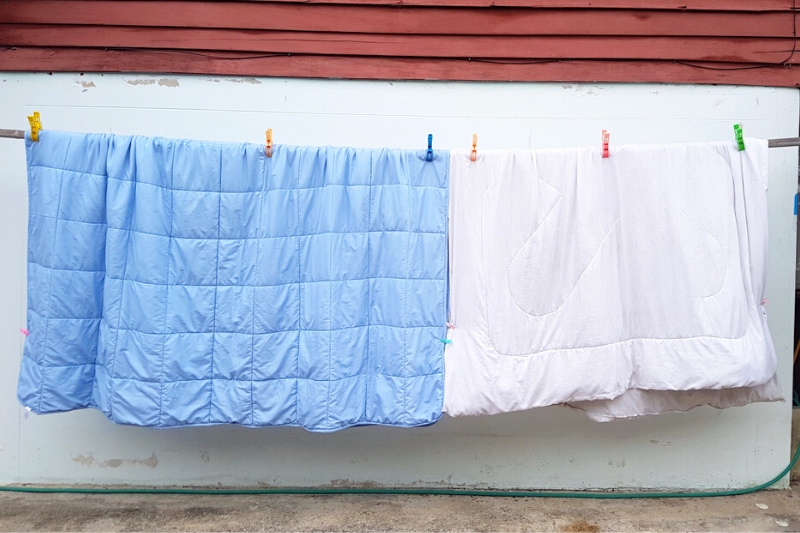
{"x": 547, "y": 448}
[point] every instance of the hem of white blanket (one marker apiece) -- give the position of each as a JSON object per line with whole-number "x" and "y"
{"x": 597, "y": 375}
{"x": 636, "y": 403}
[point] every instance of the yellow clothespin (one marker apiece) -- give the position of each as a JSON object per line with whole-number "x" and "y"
{"x": 269, "y": 143}
{"x": 36, "y": 126}
{"x": 474, "y": 155}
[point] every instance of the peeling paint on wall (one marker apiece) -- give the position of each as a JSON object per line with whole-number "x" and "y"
{"x": 163, "y": 82}
{"x": 250, "y": 81}
{"x": 89, "y": 460}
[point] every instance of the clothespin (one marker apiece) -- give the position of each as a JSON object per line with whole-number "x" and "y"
{"x": 429, "y": 155}
{"x": 36, "y": 126}
{"x": 605, "y": 138}
{"x": 737, "y": 130}
{"x": 269, "y": 143}
{"x": 474, "y": 155}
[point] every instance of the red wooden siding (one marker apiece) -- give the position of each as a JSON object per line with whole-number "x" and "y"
{"x": 749, "y": 42}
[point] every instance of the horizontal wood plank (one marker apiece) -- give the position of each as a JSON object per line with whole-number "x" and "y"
{"x": 394, "y": 20}
{"x": 690, "y": 41}
{"x": 681, "y": 5}
{"x": 733, "y": 49}
{"x": 241, "y": 64}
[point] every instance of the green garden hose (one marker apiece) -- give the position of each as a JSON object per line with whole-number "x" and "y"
{"x": 388, "y": 491}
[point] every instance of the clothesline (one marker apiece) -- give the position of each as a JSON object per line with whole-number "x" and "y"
{"x": 773, "y": 143}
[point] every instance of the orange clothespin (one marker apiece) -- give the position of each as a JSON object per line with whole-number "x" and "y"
{"x": 606, "y": 135}
{"x": 474, "y": 155}
{"x": 36, "y": 126}
{"x": 269, "y": 143}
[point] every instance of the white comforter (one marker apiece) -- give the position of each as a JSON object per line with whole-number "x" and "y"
{"x": 624, "y": 286}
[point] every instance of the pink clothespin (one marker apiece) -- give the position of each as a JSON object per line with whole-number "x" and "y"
{"x": 474, "y": 155}
{"x": 24, "y": 331}
{"x": 450, "y": 325}
{"x": 606, "y": 136}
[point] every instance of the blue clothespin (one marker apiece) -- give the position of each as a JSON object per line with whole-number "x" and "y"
{"x": 737, "y": 130}
{"x": 429, "y": 156}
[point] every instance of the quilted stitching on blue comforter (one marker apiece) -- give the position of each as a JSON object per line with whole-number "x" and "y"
{"x": 175, "y": 282}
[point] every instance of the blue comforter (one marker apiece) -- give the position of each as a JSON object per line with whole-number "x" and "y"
{"x": 175, "y": 283}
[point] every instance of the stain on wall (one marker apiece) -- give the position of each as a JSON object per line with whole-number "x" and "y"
{"x": 89, "y": 460}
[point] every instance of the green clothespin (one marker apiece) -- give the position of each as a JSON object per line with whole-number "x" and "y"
{"x": 737, "y": 130}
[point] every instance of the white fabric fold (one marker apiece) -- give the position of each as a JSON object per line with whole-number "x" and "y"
{"x": 609, "y": 284}
{"x": 635, "y": 403}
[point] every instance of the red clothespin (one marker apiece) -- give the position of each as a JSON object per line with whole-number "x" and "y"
{"x": 269, "y": 143}
{"x": 606, "y": 135}
{"x": 474, "y": 155}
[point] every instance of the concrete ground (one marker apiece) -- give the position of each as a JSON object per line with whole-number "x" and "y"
{"x": 60, "y": 512}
